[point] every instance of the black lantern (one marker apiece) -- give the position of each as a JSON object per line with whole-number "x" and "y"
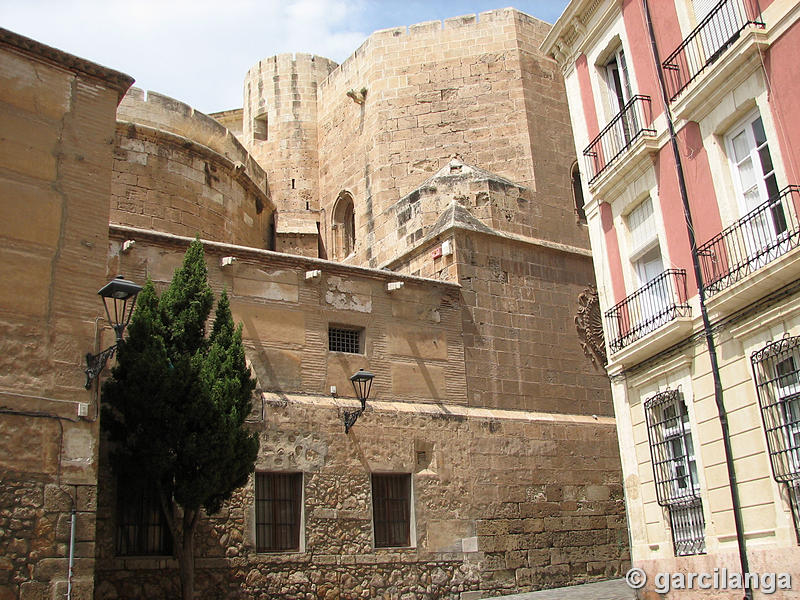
{"x": 119, "y": 298}
{"x": 362, "y": 384}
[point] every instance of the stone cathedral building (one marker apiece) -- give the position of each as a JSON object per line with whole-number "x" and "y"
{"x": 409, "y": 212}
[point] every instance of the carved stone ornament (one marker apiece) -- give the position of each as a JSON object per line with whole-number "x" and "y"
{"x": 589, "y": 323}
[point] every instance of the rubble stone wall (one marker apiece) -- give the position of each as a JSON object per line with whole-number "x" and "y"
{"x": 503, "y": 501}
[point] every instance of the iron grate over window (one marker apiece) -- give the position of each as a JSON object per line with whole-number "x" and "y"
{"x": 675, "y": 470}
{"x": 142, "y": 529}
{"x": 279, "y": 498}
{"x": 776, "y": 370}
{"x": 671, "y": 448}
{"x": 342, "y": 339}
{"x": 391, "y": 509}
{"x": 688, "y": 526}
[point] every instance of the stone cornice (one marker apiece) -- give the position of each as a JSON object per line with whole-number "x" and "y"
{"x": 114, "y": 79}
{"x": 570, "y": 27}
{"x": 125, "y": 232}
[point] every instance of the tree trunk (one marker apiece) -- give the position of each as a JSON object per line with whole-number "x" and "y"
{"x": 186, "y": 554}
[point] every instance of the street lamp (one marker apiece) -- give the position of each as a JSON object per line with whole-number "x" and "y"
{"x": 119, "y": 298}
{"x": 362, "y": 384}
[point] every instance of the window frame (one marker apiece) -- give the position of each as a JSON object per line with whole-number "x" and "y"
{"x": 766, "y": 191}
{"x": 150, "y": 526}
{"x": 343, "y": 225}
{"x": 779, "y": 405}
{"x": 577, "y": 193}
{"x": 386, "y": 534}
{"x": 683, "y": 503}
{"x": 267, "y": 540}
{"x": 347, "y": 329}
{"x": 620, "y": 90}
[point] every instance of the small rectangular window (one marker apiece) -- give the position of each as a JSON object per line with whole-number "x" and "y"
{"x": 142, "y": 528}
{"x": 344, "y": 339}
{"x": 260, "y": 128}
{"x": 391, "y": 509}
{"x": 279, "y": 498}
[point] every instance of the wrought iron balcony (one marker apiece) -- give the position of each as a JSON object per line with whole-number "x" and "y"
{"x": 761, "y": 236}
{"x": 655, "y": 304}
{"x": 712, "y": 36}
{"x": 624, "y": 129}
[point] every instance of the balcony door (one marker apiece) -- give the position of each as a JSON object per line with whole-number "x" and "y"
{"x": 720, "y": 27}
{"x": 619, "y": 87}
{"x": 653, "y": 298}
{"x": 764, "y": 220}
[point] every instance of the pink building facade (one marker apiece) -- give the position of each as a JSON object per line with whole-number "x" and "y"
{"x": 694, "y": 235}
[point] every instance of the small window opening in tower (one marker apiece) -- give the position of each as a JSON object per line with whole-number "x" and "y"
{"x": 292, "y": 183}
{"x": 260, "y": 129}
{"x": 344, "y": 226}
{"x": 577, "y": 193}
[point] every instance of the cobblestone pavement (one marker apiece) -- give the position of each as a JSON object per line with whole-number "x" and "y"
{"x": 613, "y": 589}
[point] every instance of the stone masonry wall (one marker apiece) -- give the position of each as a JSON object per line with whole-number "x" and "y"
{"x": 411, "y": 336}
{"x": 519, "y": 297}
{"x": 434, "y": 91}
{"x": 165, "y": 182}
{"x": 57, "y": 115}
{"x": 281, "y": 91}
{"x": 504, "y": 501}
{"x": 521, "y": 301}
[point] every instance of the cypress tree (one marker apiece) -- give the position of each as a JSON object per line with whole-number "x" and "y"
{"x": 176, "y": 402}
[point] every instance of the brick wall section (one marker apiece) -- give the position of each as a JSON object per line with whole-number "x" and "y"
{"x": 412, "y": 336}
{"x": 57, "y": 122}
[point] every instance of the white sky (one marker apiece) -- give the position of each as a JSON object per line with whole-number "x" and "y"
{"x": 198, "y": 51}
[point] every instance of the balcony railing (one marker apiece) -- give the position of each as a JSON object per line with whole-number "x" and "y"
{"x": 660, "y": 301}
{"x": 712, "y": 36}
{"x": 616, "y": 137}
{"x": 761, "y": 236}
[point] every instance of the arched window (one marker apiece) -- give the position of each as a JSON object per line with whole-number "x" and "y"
{"x": 577, "y": 193}
{"x": 344, "y": 226}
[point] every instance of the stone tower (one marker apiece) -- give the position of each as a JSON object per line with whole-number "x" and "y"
{"x": 280, "y": 130}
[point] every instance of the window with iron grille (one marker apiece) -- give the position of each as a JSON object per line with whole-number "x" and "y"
{"x": 391, "y": 509}
{"x": 279, "y": 498}
{"x": 675, "y": 470}
{"x": 142, "y": 528}
{"x": 344, "y": 339}
{"x": 776, "y": 370}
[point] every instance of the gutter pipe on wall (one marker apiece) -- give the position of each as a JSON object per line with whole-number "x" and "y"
{"x": 707, "y": 330}
{"x": 71, "y": 552}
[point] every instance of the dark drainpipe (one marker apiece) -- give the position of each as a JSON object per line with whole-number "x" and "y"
{"x": 709, "y": 334}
